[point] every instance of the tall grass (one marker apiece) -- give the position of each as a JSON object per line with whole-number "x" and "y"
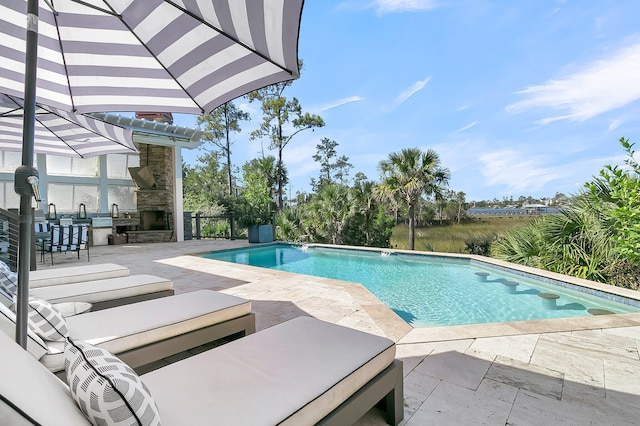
{"x": 453, "y": 238}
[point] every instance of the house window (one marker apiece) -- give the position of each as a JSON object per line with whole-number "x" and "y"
{"x": 68, "y": 197}
{"x": 118, "y": 165}
{"x": 67, "y": 166}
{"x": 8, "y": 197}
{"x": 9, "y": 161}
{"x": 123, "y": 196}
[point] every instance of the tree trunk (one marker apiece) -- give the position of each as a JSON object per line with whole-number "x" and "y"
{"x": 280, "y": 203}
{"x": 279, "y": 167}
{"x": 229, "y": 177}
{"x": 411, "y": 227}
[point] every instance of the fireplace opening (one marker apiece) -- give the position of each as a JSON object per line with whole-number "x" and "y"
{"x": 153, "y": 220}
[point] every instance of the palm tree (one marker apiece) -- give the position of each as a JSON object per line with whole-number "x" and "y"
{"x": 331, "y": 209}
{"x": 267, "y": 169}
{"x": 460, "y": 200}
{"x": 407, "y": 175}
{"x": 364, "y": 205}
{"x": 576, "y": 242}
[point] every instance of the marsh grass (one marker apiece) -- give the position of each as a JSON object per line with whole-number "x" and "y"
{"x": 453, "y": 238}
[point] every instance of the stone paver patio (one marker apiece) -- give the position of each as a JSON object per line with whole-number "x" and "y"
{"x": 576, "y": 371}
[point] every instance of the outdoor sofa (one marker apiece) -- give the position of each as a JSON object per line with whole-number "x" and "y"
{"x": 144, "y": 332}
{"x": 301, "y": 372}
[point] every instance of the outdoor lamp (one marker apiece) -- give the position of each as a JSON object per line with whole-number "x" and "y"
{"x": 114, "y": 210}
{"x": 82, "y": 211}
{"x": 51, "y": 212}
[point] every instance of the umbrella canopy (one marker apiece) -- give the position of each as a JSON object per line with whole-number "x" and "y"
{"x": 61, "y": 133}
{"x": 127, "y": 55}
{"x": 152, "y": 55}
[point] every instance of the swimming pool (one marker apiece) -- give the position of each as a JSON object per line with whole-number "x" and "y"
{"x": 429, "y": 291}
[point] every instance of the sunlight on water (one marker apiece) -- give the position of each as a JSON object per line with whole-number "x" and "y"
{"x": 428, "y": 291}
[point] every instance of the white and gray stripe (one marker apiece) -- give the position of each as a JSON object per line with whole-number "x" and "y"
{"x": 182, "y": 56}
{"x": 62, "y": 133}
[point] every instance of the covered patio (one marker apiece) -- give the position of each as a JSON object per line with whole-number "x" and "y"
{"x": 574, "y": 371}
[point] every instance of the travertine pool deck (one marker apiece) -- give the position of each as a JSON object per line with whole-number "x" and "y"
{"x": 575, "y": 371}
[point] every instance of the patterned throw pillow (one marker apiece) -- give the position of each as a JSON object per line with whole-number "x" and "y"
{"x": 46, "y": 321}
{"x": 35, "y": 345}
{"x": 107, "y": 390}
{"x": 8, "y": 279}
{"x": 5, "y": 298}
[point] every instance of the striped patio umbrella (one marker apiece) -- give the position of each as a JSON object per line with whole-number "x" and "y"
{"x": 62, "y": 133}
{"x": 149, "y": 55}
{"x": 182, "y": 56}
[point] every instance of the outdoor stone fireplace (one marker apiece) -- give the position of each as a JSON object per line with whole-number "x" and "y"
{"x": 154, "y": 220}
{"x": 154, "y": 195}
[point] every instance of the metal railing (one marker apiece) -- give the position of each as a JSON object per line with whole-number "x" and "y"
{"x": 201, "y": 226}
{"x": 9, "y": 232}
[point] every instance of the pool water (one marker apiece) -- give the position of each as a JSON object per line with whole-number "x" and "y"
{"x": 427, "y": 291}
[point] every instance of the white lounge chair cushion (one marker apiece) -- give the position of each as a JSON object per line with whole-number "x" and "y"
{"x": 45, "y": 320}
{"x": 35, "y": 345}
{"x": 296, "y": 373}
{"x": 266, "y": 384}
{"x": 126, "y": 327}
{"x": 103, "y": 290}
{"x": 107, "y": 390}
{"x": 68, "y": 309}
{"x": 40, "y": 395}
{"x": 76, "y": 274}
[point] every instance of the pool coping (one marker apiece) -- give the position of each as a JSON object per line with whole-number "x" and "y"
{"x": 401, "y": 332}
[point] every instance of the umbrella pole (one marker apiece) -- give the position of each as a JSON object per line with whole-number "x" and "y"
{"x": 26, "y": 225}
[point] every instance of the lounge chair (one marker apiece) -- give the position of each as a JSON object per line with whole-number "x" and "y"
{"x": 145, "y": 332}
{"x": 301, "y": 372}
{"x": 75, "y": 274}
{"x": 101, "y": 293}
{"x": 108, "y": 292}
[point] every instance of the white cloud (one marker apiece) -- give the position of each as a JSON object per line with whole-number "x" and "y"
{"x": 601, "y": 86}
{"x": 417, "y": 86}
{"x": 251, "y": 108}
{"x": 406, "y": 94}
{"x": 337, "y": 103}
{"x": 391, "y": 6}
{"x": 297, "y": 157}
{"x": 467, "y": 127}
{"x": 615, "y": 124}
{"x": 517, "y": 171}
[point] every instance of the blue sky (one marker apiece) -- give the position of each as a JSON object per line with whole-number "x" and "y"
{"x": 517, "y": 97}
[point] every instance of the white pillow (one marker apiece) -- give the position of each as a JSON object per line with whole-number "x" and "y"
{"x": 46, "y": 321}
{"x": 107, "y": 390}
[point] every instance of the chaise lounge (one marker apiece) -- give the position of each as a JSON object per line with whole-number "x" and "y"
{"x": 109, "y": 292}
{"x": 145, "y": 332}
{"x": 76, "y": 274}
{"x": 102, "y": 286}
{"x": 301, "y": 372}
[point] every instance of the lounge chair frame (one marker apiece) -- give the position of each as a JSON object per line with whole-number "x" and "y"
{"x": 140, "y": 358}
{"x": 97, "y": 306}
{"x": 385, "y": 391}
{"x": 233, "y": 328}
